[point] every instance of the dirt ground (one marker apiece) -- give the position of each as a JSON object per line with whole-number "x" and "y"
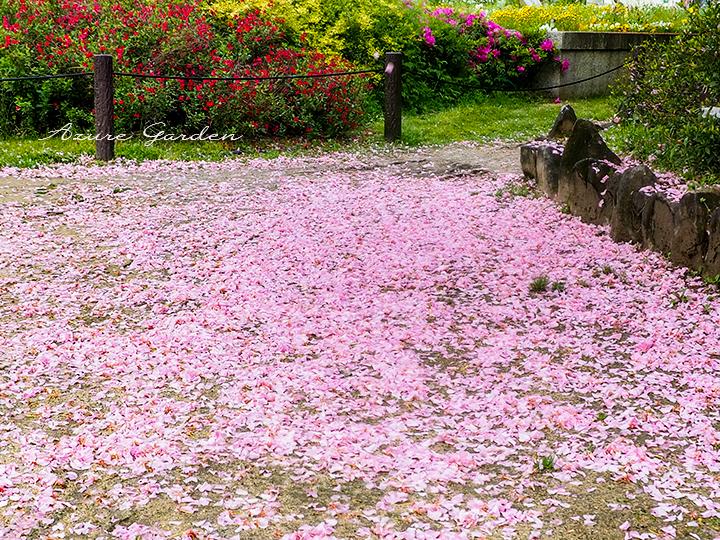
{"x": 458, "y": 158}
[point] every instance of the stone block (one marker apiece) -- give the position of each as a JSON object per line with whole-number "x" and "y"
{"x": 631, "y": 203}
{"x": 548, "y": 169}
{"x": 590, "y": 190}
{"x": 564, "y": 123}
{"x": 712, "y": 256}
{"x": 586, "y": 142}
{"x": 690, "y": 239}
{"x": 528, "y": 159}
{"x": 659, "y": 224}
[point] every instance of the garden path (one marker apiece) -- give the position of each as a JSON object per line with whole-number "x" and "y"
{"x": 389, "y": 345}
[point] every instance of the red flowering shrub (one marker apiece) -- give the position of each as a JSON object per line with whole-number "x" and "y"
{"x": 167, "y": 38}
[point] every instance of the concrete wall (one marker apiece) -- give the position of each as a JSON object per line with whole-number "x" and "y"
{"x": 589, "y": 54}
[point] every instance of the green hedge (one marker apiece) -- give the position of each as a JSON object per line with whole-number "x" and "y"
{"x": 668, "y": 86}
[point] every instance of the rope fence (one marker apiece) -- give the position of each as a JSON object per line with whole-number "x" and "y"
{"x": 194, "y": 77}
{"x": 46, "y": 77}
{"x": 572, "y": 83}
{"x": 248, "y": 78}
{"x": 546, "y": 88}
{"x": 103, "y": 87}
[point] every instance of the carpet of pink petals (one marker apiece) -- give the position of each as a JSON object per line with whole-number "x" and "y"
{"x": 231, "y": 351}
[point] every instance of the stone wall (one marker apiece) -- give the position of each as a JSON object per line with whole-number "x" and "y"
{"x": 584, "y": 174}
{"x": 589, "y": 54}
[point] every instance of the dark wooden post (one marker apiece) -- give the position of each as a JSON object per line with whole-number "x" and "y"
{"x": 393, "y": 96}
{"x": 104, "y": 109}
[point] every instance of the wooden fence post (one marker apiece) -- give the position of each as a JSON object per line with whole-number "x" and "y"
{"x": 393, "y": 96}
{"x": 104, "y": 108}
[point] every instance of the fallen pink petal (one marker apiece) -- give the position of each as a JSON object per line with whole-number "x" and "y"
{"x": 346, "y": 346}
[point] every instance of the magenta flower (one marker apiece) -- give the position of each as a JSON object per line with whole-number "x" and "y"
{"x": 521, "y": 69}
{"x": 428, "y": 36}
{"x": 547, "y": 45}
{"x": 486, "y": 52}
{"x": 443, "y": 11}
{"x": 481, "y": 53}
{"x": 494, "y": 28}
{"x": 564, "y": 63}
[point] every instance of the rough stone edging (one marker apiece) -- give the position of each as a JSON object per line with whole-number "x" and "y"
{"x": 588, "y": 177}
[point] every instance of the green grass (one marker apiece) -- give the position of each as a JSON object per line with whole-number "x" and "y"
{"x": 539, "y": 284}
{"x": 33, "y": 152}
{"x": 498, "y": 117}
{"x": 30, "y": 152}
{"x": 664, "y": 152}
{"x": 545, "y": 464}
{"x": 480, "y": 118}
{"x": 558, "y": 286}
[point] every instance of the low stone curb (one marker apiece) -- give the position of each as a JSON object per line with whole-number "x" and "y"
{"x": 589, "y": 178}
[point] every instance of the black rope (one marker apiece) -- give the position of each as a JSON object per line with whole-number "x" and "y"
{"x": 45, "y": 77}
{"x": 248, "y": 78}
{"x": 193, "y": 77}
{"x": 573, "y": 82}
{"x": 297, "y": 76}
{"x": 563, "y": 85}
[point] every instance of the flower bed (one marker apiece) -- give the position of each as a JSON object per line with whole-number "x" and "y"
{"x": 591, "y": 18}
{"x": 447, "y": 53}
{"x": 176, "y": 39}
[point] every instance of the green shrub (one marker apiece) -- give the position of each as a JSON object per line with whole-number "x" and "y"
{"x": 662, "y": 98}
{"x": 359, "y": 31}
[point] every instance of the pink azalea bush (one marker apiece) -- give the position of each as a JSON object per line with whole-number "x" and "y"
{"x": 462, "y": 51}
